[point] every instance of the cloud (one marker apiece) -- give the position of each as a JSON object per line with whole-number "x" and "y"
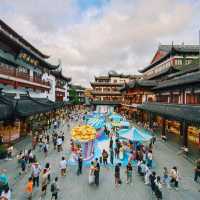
{"x": 121, "y": 35}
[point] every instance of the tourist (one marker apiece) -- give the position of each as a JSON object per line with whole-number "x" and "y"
{"x": 152, "y": 179}
{"x": 29, "y": 188}
{"x": 91, "y": 173}
{"x": 96, "y": 172}
{"x": 116, "y": 153}
{"x": 10, "y": 152}
{"x": 23, "y": 165}
{"x": 147, "y": 174}
{"x": 47, "y": 167}
{"x": 6, "y": 194}
{"x": 166, "y": 176}
{"x": 117, "y": 174}
{"x": 111, "y": 156}
{"x": 63, "y": 137}
{"x": 158, "y": 187}
{"x": 55, "y": 124}
{"x": 105, "y": 157}
{"x": 174, "y": 176}
{"x": 54, "y": 189}
{"x": 54, "y": 139}
{"x": 80, "y": 164}
{"x": 44, "y": 182}
{"x": 149, "y": 159}
{"x": 59, "y": 143}
{"x": 48, "y": 138}
{"x": 197, "y": 170}
{"x": 129, "y": 173}
{"x": 36, "y": 174}
{"x": 111, "y": 143}
{"x": 63, "y": 166}
{"x": 45, "y": 149}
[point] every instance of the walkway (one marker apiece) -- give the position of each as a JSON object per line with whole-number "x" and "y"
{"x": 76, "y": 188}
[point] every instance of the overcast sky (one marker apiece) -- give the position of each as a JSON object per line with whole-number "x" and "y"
{"x": 92, "y": 37}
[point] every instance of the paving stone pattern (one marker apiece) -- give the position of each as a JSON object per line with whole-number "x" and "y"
{"x": 75, "y": 187}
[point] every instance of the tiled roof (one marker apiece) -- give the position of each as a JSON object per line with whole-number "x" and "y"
{"x": 173, "y": 49}
{"x": 185, "y": 79}
{"x": 189, "y": 113}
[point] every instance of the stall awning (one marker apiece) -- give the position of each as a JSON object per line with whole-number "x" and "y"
{"x": 190, "y": 113}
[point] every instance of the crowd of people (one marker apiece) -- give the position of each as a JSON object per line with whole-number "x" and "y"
{"x": 140, "y": 162}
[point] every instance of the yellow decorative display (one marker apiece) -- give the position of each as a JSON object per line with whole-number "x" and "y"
{"x": 84, "y": 133}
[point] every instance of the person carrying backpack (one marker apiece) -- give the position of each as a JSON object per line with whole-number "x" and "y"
{"x": 54, "y": 189}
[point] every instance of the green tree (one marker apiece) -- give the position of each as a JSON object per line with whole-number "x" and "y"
{"x": 73, "y": 96}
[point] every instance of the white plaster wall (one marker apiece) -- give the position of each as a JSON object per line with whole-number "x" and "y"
{"x": 66, "y": 87}
{"x": 52, "y": 93}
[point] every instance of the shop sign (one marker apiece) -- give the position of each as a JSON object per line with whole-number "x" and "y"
{"x": 29, "y": 59}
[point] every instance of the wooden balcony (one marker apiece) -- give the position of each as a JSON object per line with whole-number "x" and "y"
{"x": 59, "y": 86}
{"x": 21, "y": 75}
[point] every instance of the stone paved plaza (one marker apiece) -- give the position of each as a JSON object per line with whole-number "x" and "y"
{"x": 75, "y": 187}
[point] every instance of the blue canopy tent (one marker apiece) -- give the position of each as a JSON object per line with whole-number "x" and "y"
{"x": 97, "y": 123}
{"x": 116, "y": 117}
{"x": 124, "y": 124}
{"x": 95, "y": 114}
{"x": 134, "y": 134}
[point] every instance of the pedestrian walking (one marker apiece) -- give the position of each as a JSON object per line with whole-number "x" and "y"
{"x": 54, "y": 141}
{"x": 29, "y": 188}
{"x": 23, "y": 165}
{"x": 44, "y": 182}
{"x": 54, "y": 189}
{"x": 174, "y": 176}
{"x": 105, "y": 157}
{"x": 117, "y": 174}
{"x": 59, "y": 144}
{"x": 111, "y": 143}
{"x": 80, "y": 164}
{"x": 6, "y": 194}
{"x": 197, "y": 170}
{"x": 36, "y": 174}
{"x": 129, "y": 173}
{"x": 111, "y": 156}
{"x": 45, "y": 149}
{"x": 91, "y": 173}
{"x": 158, "y": 186}
{"x": 63, "y": 166}
{"x": 96, "y": 172}
{"x": 47, "y": 167}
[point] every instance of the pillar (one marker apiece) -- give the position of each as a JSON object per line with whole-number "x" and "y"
{"x": 142, "y": 117}
{"x": 150, "y": 119}
{"x": 163, "y": 133}
{"x": 184, "y": 133}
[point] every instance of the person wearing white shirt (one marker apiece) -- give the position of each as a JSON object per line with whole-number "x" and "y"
{"x": 6, "y": 194}
{"x": 59, "y": 144}
{"x": 63, "y": 166}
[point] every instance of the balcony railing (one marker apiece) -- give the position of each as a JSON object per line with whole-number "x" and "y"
{"x": 14, "y": 73}
{"x": 60, "y": 86}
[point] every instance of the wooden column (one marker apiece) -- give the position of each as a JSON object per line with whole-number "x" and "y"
{"x": 142, "y": 117}
{"x": 184, "y": 133}
{"x": 150, "y": 119}
{"x": 163, "y": 133}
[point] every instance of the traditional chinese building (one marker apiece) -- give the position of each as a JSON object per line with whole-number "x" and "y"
{"x": 23, "y": 68}
{"x": 62, "y": 86}
{"x": 177, "y": 107}
{"x": 135, "y": 93}
{"x": 106, "y": 90}
{"x": 27, "y": 87}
